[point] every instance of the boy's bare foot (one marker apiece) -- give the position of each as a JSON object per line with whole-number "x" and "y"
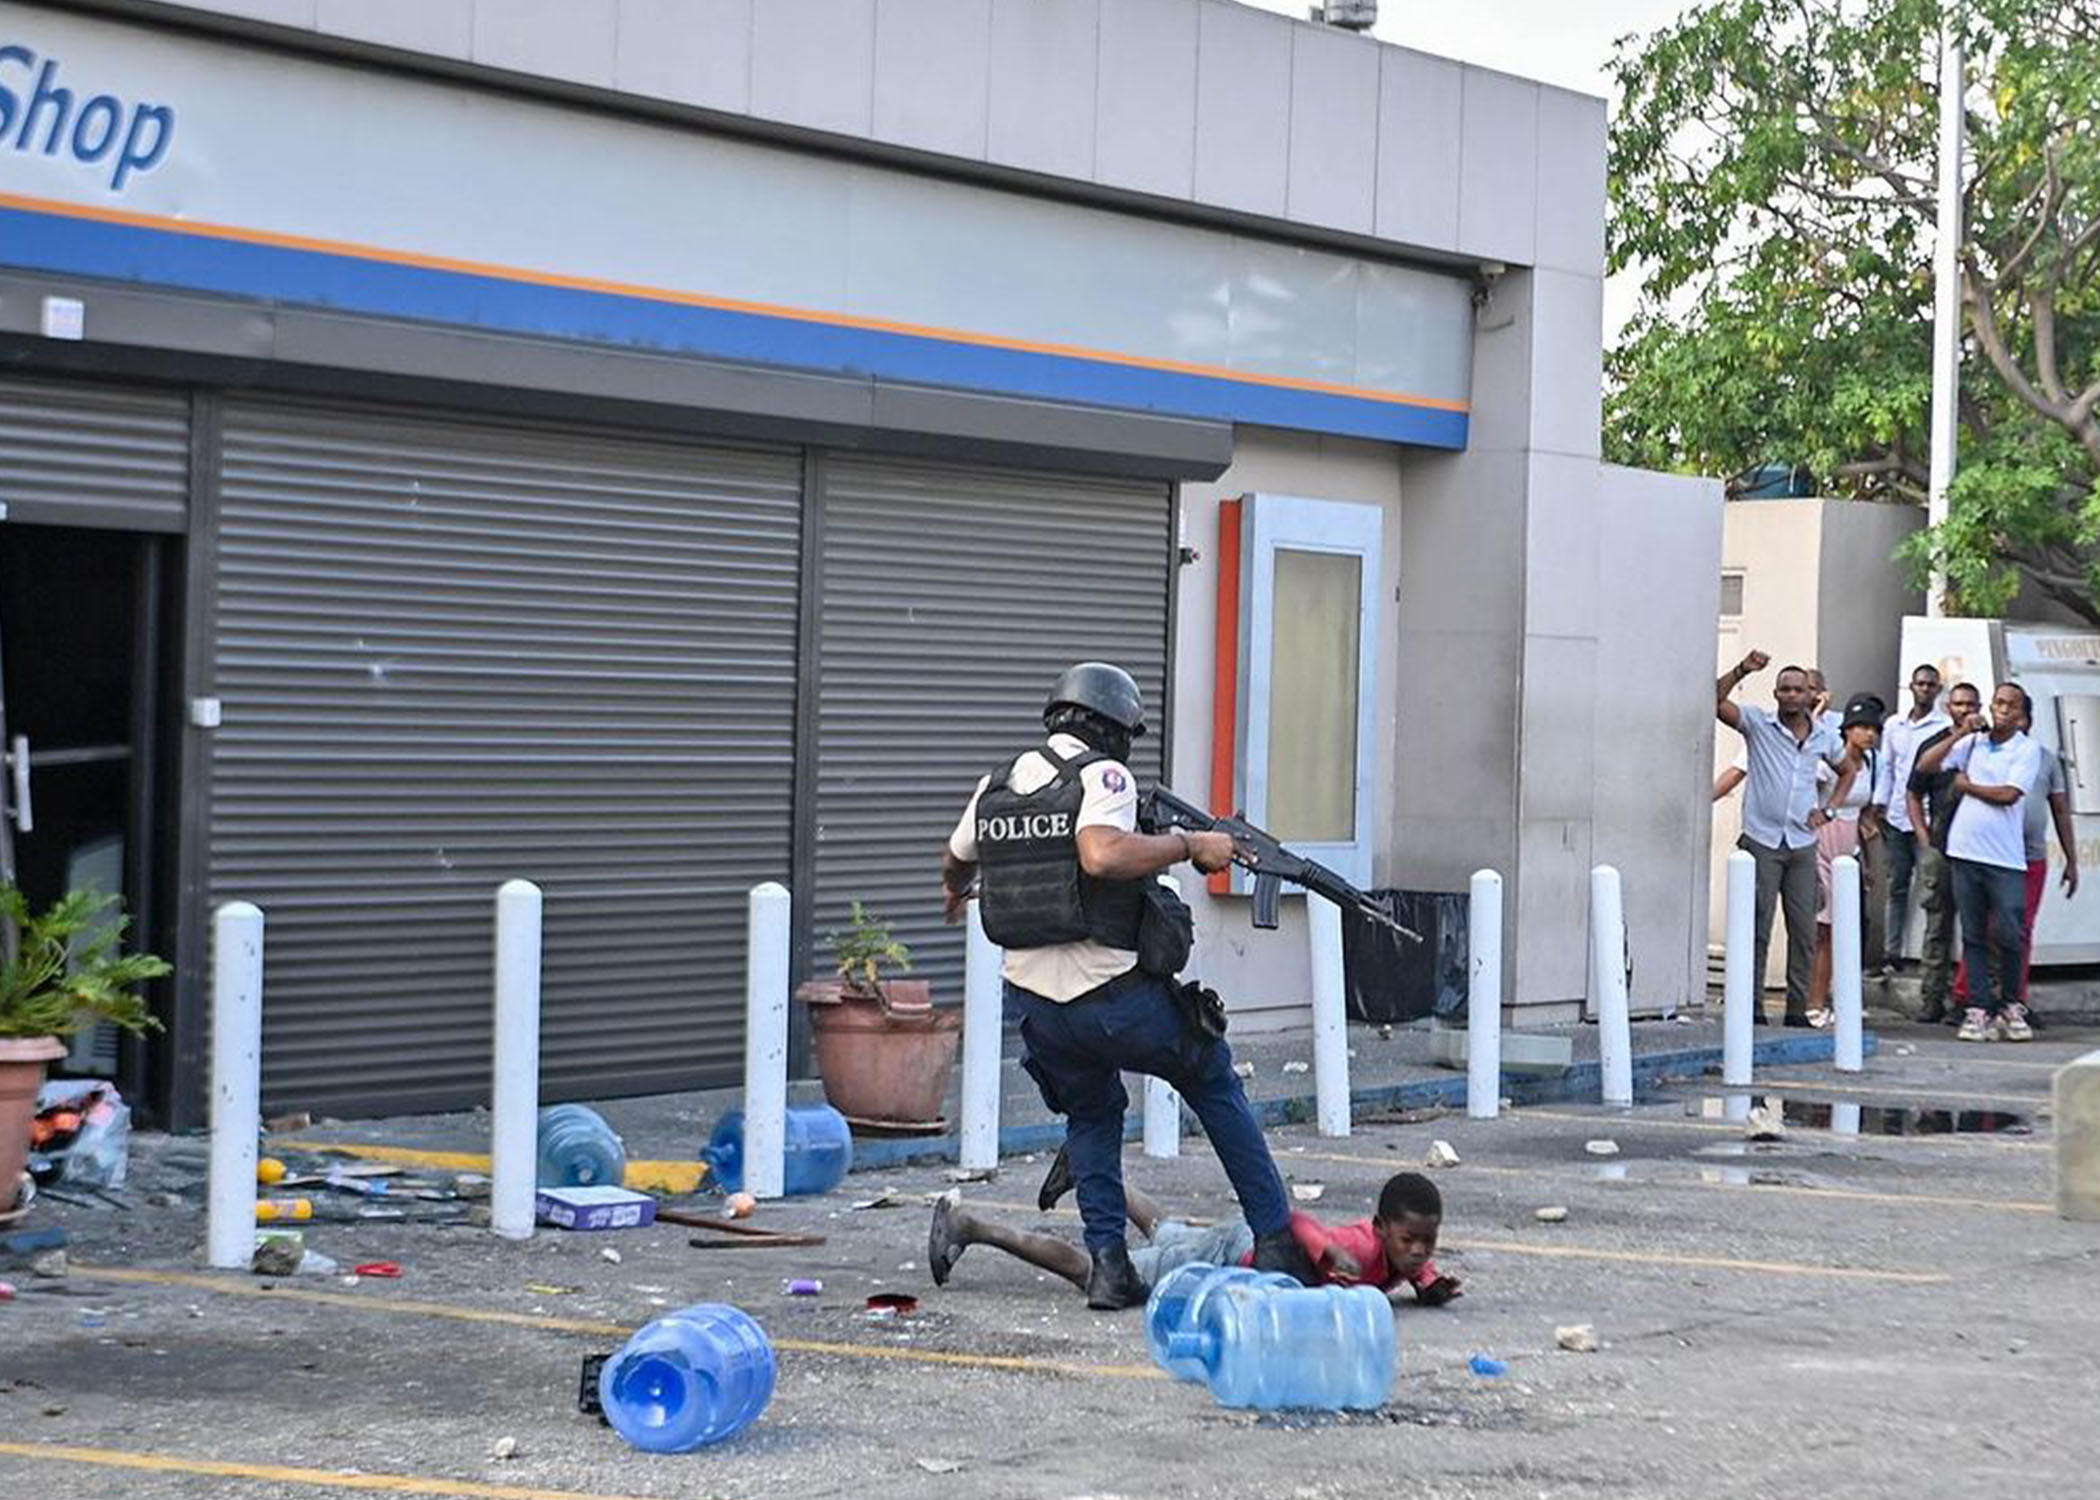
{"x": 943, "y": 1247}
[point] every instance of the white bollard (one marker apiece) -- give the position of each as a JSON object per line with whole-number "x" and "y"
{"x": 983, "y": 1023}
{"x": 1608, "y": 985}
{"x": 236, "y": 1082}
{"x": 1162, "y": 1136}
{"x": 1739, "y": 989}
{"x": 1484, "y": 997}
{"x": 766, "y": 963}
{"x": 1162, "y": 1119}
{"x": 1330, "y": 1018}
{"x": 1847, "y": 1003}
{"x": 514, "y": 1103}
{"x": 1844, "y": 1119}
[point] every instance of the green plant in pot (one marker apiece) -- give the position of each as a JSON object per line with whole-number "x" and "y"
{"x": 884, "y": 1052}
{"x": 64, "y": 970}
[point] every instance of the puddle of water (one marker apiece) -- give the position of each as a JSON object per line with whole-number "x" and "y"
{"x": 1845, "y": 1118}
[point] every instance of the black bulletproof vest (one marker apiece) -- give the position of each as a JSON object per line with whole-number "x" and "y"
{"x": 1033, "y": 892}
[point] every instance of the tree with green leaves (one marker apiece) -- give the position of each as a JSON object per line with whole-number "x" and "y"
{"x": 1773, "y": 171}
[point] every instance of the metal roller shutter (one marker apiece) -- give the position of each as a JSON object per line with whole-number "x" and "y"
{"x": 453, "y": 653}
{"x": 952, "y": 599}
{"x": 94, "y": 455}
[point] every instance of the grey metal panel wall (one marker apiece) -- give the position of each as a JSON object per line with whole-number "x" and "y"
{"x": 94, "y": 455}
{"x": 952, "y": 599}
{"x": 453, "y": 653}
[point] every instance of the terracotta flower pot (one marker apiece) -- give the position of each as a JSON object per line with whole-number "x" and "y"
{"x": 886, "y": 1057}
{"x": 22, "y": 1062}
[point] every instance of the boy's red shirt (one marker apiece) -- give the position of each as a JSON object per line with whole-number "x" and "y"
{"x": 1360, "y": 1240}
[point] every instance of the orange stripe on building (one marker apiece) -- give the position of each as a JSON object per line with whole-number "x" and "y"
{"x": 279, "y": 241}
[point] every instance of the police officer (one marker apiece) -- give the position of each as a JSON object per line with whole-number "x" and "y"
{"x": 1049, "y": 843}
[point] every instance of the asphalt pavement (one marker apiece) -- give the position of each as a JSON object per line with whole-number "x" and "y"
{"x": 1896, "y": 1312}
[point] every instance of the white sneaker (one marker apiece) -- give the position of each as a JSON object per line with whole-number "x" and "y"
{"x": 2012, "y": 1024}
{"x": 1975, "y": 1027}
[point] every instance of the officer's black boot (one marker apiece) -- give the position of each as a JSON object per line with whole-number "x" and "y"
{"x": 1056, "y": 1182}
{"x": 1280, "y": 1251}
{"x": 1115, "y": 1282}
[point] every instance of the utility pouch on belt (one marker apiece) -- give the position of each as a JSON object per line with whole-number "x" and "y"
{"x": 1202, "y": 1012}
{"x": 1166, "y": 932}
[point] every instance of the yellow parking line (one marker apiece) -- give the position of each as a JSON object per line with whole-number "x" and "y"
{"x": 1725, "y": 1128}
{"x": 642, "y": 1176}
{"x": 1850, "y": 1195}
{"x": 1969, "y": 1059}
{"x": 387, "y": 1484}
{"x": 1925, "y": 1095}
{"x": 419, "y": 1307}
{"x": 1706, "y": 1262}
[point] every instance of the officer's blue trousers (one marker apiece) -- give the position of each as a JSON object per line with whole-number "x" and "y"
{"x": 1077, "y": 1053}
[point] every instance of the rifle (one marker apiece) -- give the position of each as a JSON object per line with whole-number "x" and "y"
{"x": 1271, "y": 864}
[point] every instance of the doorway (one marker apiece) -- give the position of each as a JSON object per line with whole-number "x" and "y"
{"x": 79, "y": 690}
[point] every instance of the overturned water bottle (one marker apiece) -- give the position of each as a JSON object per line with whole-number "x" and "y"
{"x": 578, "y": 1149}
{"x": 690, "y": 1378}
{"x": 1328, "y": 1348}
{"x": 1177, "y": 1303}
{"x": 819, "y": 1150}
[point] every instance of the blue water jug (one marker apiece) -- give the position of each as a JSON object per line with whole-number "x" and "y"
{"x": 819, "y": 1150}
{"x": 578, "y": 1149}
{"x": 1177, "y": 1304}
{"x": 692, "y": 1377}
{"x": 1266, "y": 1347}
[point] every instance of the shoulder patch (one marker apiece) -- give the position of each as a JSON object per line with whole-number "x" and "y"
{"x": 1114, "y": 780}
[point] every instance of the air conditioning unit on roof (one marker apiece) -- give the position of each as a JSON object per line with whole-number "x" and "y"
{"x": 1351, "y": 15}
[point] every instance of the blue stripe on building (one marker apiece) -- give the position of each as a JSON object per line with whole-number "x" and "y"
{"x": 132, "y": 253}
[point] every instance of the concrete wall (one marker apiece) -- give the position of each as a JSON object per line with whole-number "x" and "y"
{"x": 1264, "y": 976}
{"x": 1205, "y": 103}
{"x": 1500, "y": 608}
{"x": 1660, "y": 566}
{"x": 1863, "y": 594}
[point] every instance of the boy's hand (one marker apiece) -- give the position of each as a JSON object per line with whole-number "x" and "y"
{"x": 1438, "y": 1292}
{"x": 1342, "y": 1268}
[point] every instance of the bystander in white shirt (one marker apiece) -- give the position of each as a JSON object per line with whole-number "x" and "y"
{"x": 1900, "y": 738}
{"x": 1983, "y": 831}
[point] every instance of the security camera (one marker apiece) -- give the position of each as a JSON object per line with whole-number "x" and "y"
{"x": 1485, "y": 276}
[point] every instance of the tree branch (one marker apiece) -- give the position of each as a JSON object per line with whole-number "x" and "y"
{"x": 1984, "y": 321}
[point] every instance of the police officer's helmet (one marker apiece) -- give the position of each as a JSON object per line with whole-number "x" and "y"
{"x": 1102, "y": 689}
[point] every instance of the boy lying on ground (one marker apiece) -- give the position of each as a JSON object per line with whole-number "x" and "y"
{"x": 1389, "y": 1250}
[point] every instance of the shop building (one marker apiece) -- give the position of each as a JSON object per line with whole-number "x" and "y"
{"x": 651, "y": 448}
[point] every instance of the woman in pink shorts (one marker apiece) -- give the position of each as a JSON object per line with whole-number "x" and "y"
{"x": 1844, "y": 818}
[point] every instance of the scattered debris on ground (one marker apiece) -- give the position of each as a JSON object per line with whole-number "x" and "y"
{"x": 1552, "y": 1214}
{"x": 1440, "y": 1154}
{"x": 1764, "y": 1124}
{"x": 1578, "y": 1338}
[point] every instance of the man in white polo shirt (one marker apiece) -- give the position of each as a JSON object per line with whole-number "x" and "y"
{"x": 1987, "y": 848}
{"x": 1785, "y": 751}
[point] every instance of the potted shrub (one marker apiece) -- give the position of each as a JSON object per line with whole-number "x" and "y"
{"x": 884, "y": 1052}
{"x": 63, "y": 972}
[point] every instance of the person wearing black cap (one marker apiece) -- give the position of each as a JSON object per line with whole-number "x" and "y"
{"x": 1844, "y": 817}
{"x": 1050, "y": 847}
